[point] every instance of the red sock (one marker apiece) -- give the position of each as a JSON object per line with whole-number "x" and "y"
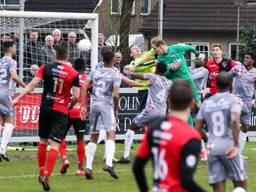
{"x": 81, "y": 152}
{"x": 50, "y": 162}
{"x": 63, "y": 149}
{"x": 41, "y": 156}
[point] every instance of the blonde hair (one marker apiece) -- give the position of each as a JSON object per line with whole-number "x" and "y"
{"x": 157, "y": 41}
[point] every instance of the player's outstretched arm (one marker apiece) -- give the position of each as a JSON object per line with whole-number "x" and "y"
{"x": 17, "y": 79}
{"x": 189, "y": 160}
{"x": 84, "y": 90}
{"x": 133, "y": 83}
{"x": 183, "y": 47}
{"x": 30, "y": 87}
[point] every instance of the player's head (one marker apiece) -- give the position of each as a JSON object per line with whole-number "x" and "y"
{"x": 62, "y": 52}
{"x": 217, "y": 50}
{"x": 56, "y": 35}
{"x": 159, "y": 45}
{"x": 79, "y": 65}
{"x": 249, "y": 59}
{"x": 106, "y": 48}
{"x": 161, "y": 68}
{"x": 224, "y": 81}
{"x": 135, "y": 51}
{"x": 199, "y": 63}
{"x": 180, "y": 96}
{"x": 9, "y": 48}
{"x": 108, "y": 58}
{"x": 118, "y": 57}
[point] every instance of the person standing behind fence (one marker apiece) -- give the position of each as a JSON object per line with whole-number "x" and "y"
{"x": 48, "y": 53}
{"x": 32, "y": 55}
{"x": 73, "y": 50}
{"x": 57, "y": 37}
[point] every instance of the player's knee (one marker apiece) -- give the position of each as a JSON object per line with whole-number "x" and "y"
{"x": 9, "y": 126}
{"x": 54, "y": 145}
{"x": 111, "y": 135}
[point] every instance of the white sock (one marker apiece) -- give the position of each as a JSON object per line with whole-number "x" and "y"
{"x": 6, "y": 136}
{"x": 203, "y": 146}
{"x": 102, "y": 136}
{"x": 110, "y": 151}
{"x": 90, "y": 152}
{"x": 242, "y": 139}
{"x": 129, "y": 135}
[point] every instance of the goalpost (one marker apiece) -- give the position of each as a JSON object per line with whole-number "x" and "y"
{"x": 18, "y": 25}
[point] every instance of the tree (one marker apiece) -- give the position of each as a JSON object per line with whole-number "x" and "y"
{"x": 248, "y": 40}
{"x": 124, "y": 29}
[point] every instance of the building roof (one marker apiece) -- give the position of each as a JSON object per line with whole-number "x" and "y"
{"x": 80, "y": 6}
{"x": 199, "y": 15}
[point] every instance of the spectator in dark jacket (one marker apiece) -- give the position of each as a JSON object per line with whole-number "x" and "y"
{"x": 73, "y": 50}
{"x": 48, "y": 52}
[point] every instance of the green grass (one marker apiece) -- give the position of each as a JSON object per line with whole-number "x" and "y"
{"x": 20, "y": 175}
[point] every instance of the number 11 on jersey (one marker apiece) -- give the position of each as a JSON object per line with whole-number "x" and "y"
{"x": 56, "y": 82}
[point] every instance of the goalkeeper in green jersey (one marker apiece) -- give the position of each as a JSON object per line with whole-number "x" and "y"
{"x": 173, "y": 56}
{"x": 143, "y": 62}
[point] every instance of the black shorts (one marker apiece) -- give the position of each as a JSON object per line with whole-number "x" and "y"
{"x": 142, "y": 96}
{"x": 52, "y": 124}
{"x": 79, "y": 127}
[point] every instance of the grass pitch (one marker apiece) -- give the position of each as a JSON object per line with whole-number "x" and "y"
{"x": 20, "y": 174}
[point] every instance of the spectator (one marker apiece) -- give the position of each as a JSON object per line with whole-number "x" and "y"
{"x": 48, "y": 53}
{"x": 32, "y": 55}
{"x": 57, "y": 37}
{"x": 5, "y": 37}
{"x": 73, "y": 50}
{"x": 119, "y": 58}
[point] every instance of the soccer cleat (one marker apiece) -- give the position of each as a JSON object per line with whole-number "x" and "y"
{"x": 40, "y": 178}
{"x": 111, "y": 171}
{"x": 203, "y": 156}
{"x": 245, "y": 157}
{"x": 80, "y": 172}
{"x": 115, "y": 160}
{"x": 65, "y": 167}
{"x": 124, "y": 160}
{"x": 45, "y": 184}
{"x": 88, "y": 174}
{"x": 4, "y": 157}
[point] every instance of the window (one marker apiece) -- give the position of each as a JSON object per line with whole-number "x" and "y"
{"x": 201, "y": 47}
{"x": 133, "y": 8}
{"x": 12, "y": 2}
{"x": 145, "y": 6}
{"x": 115, "y": 7}
{"x": 232, "y": 50}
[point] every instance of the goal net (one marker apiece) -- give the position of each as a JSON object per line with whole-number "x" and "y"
{"x": 29, "y": 31}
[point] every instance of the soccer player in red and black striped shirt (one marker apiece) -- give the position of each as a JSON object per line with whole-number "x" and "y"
{"x": 172, "y": 145}
{"x": 59, "y": 78}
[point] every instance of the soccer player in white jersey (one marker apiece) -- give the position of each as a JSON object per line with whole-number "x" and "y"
{"x": 8, "y": 77}
{"x": 156, "y": 105}
{"x": 244, "y": 87}
{"x": 221, "y": 113}
{"x": 105, "y": 96}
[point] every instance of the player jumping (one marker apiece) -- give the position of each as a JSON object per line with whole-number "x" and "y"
{"x": 156, "y": 105}
{"x": 172, "y": 145}
{"x": 221, "y": 113}
{"x": 105, "y": 95}
{"x": 59, "y": 78}
{"x": 8, "y": 75}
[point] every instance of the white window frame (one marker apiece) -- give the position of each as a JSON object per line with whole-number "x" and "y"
{"x": 149, "y": 8}
{"x": 119, "y": 8}
{"x": 194, "y": 44}
{"x": 133, "y": 12}
{"x": 229, "y": 48}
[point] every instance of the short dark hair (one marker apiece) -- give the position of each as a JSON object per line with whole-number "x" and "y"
{"x": 7, "y": 45}
{"x": 79, "y": 64}
{"x": 252, "y": 55}
{"x": 217, "y": 45}
{"x": 224, "y": 80}
{"x": 106, "y": 48}
{"x": 180, "y": 95}
{"x": 61, "y": 51}
{"x": 161, "y": 68}
{"x": 108, "y": 56}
